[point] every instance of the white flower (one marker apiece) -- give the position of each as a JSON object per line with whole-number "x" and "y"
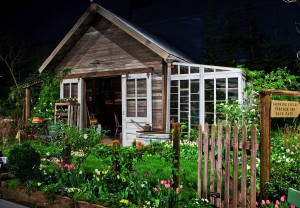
{"x": 85, "y": 136}
{"x": 288, "y": 150}
{"x": 48, "y": 154}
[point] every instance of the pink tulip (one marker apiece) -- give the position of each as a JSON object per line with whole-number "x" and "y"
{"x": 155, "y": 189}
{"x": 277, "y": 202}
{"x": 292, "y": 206}
{"x": 276, "y": 206}
{"x": 268, "y": 202}
{"x": 169, "y": 181}
{"x": 282, "y": 199}
{"x": 256, "y": 204}
{"x": 263, "y": 202}
{"x": 177, "y": 190}
{"x": 181, "y": 186}
{"x": 57, "y": 163}
{"x": 163, "y": 182}
{"x": 167, "y": 185}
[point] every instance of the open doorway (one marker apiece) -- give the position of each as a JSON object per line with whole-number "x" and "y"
{"x": 104, "y": 101}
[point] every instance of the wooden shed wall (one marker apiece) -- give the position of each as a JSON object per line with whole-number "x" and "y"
{"x": 117, "y": 52}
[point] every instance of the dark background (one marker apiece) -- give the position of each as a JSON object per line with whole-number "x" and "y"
{"x": 195, "y": 27}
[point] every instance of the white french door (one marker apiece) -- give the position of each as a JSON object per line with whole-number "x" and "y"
{"x": 136, "y": 105}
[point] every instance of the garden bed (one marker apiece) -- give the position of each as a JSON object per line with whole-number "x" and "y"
{"x": 40, "y": 199}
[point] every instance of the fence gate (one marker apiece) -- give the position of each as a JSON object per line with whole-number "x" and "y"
{"x": 224, "y": 176}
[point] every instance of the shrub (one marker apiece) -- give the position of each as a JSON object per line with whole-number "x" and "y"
{"x": 24, "y": 162}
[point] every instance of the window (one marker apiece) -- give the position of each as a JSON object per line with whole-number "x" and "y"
{"x": 195, "y": 90}
{"x": 136, "y": 98}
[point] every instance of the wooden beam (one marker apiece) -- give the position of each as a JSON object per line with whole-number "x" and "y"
{"x": 110, "y": 73}
{"x": 280, "y": 92}
{"x": 265, "y": 142}
{"x": 265, "y": 128}
{"x": 164, "y": 94}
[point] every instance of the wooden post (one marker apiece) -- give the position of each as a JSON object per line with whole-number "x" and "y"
{"x": 176, "y": 158}
{"x": 27, "y": 105}
{"x": 265, "y": 142}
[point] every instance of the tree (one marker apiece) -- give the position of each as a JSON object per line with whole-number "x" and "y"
{"x": 296, "y": 23}
{"x": 12, "y": 53}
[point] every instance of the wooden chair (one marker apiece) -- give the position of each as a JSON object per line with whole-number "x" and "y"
{"x": 118, "y": 125}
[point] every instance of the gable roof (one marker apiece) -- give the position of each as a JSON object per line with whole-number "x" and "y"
{"x": 158, "y": 46}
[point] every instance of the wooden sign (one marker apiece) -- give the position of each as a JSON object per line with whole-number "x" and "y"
{"x": 284, "y": 109}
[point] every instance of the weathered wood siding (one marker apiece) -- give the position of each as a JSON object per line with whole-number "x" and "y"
{"x": 117, "y": 52}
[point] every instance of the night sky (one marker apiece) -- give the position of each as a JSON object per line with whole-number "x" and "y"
{"x": 180, "y": 22}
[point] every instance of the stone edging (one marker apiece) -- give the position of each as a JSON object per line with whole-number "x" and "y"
{"x": 38, "y": 199}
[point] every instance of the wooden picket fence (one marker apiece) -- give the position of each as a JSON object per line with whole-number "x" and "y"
{"x": 219, "y": 165}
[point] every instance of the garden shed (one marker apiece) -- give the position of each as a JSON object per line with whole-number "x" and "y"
{"x": 120, "y": 72}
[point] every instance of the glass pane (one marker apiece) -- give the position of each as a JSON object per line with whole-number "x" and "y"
{"x": 209, "y": 84}
{"x": 194, "y": 69}
{"x": 131, "y": 108}
{"x": 142, "y": 108}
{"x": 184, "y": 84}
{"x": 183, "y": 115}
{"x": 195, "y": 121}
{"x": 174, "y": 97}
{"x": 195, "y": 86}
{"x": 233, "y": 83}
{"x": 174, "y": 104}
{"x": 195, "y": 97}
{"x": 174, "y": 69}
{"x": 220, "y": 83}
{"x": 195, "y": 105}
{"x": 74, "y": 90}
{"x": 66, "y": 90}
{"x": 131, "y": 88}
{"x": 195, "y": 113}
{"x": 184, "y": 93}
{"x": 184, "y": 107}
{"x": 233, "y": 94}
{"x": 208, "y": 70}
{"x": 209, "y": 118}
{"x": 209, "y": 107}
{"x": 174, "y": 112}
{"x": 221, "y": 94}
{"x": 174, "y": 83}
{"x": 184, "y": 69}
{"x": 141, "y": 88}
{"x": 184, "y": 100}
{"x": 174, "y": 89}
{"x": 174, "y": 119}
{"x": 209, "y": 95}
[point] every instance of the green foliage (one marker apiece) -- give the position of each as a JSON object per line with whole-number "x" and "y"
{"x": 48, "y": 95}
{"x": 248, "y": 112}
{"x": 14, "y": 183}
{"x": 24, "y": 162}
{"x": 285, "y": 163}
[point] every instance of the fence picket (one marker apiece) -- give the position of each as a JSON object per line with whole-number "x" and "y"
{"x": 227, "y": 167}
{"x": 212, "y": 161}
{"x": 219, "y": 165}
{"x": 253, "y": 168}
{"x": 227, "y": 186}
{"x": 205, "y": 178}
{"x": 244, "y": 168}
{"x": 235, "y": 165}
{"x": 200, "y": 150}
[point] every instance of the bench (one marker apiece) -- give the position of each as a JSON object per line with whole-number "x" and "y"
{"x": 293, "y": 197}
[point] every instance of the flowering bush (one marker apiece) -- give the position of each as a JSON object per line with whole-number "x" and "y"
{"x": 285, "y": 167}
{"x": 69, "y": 175}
